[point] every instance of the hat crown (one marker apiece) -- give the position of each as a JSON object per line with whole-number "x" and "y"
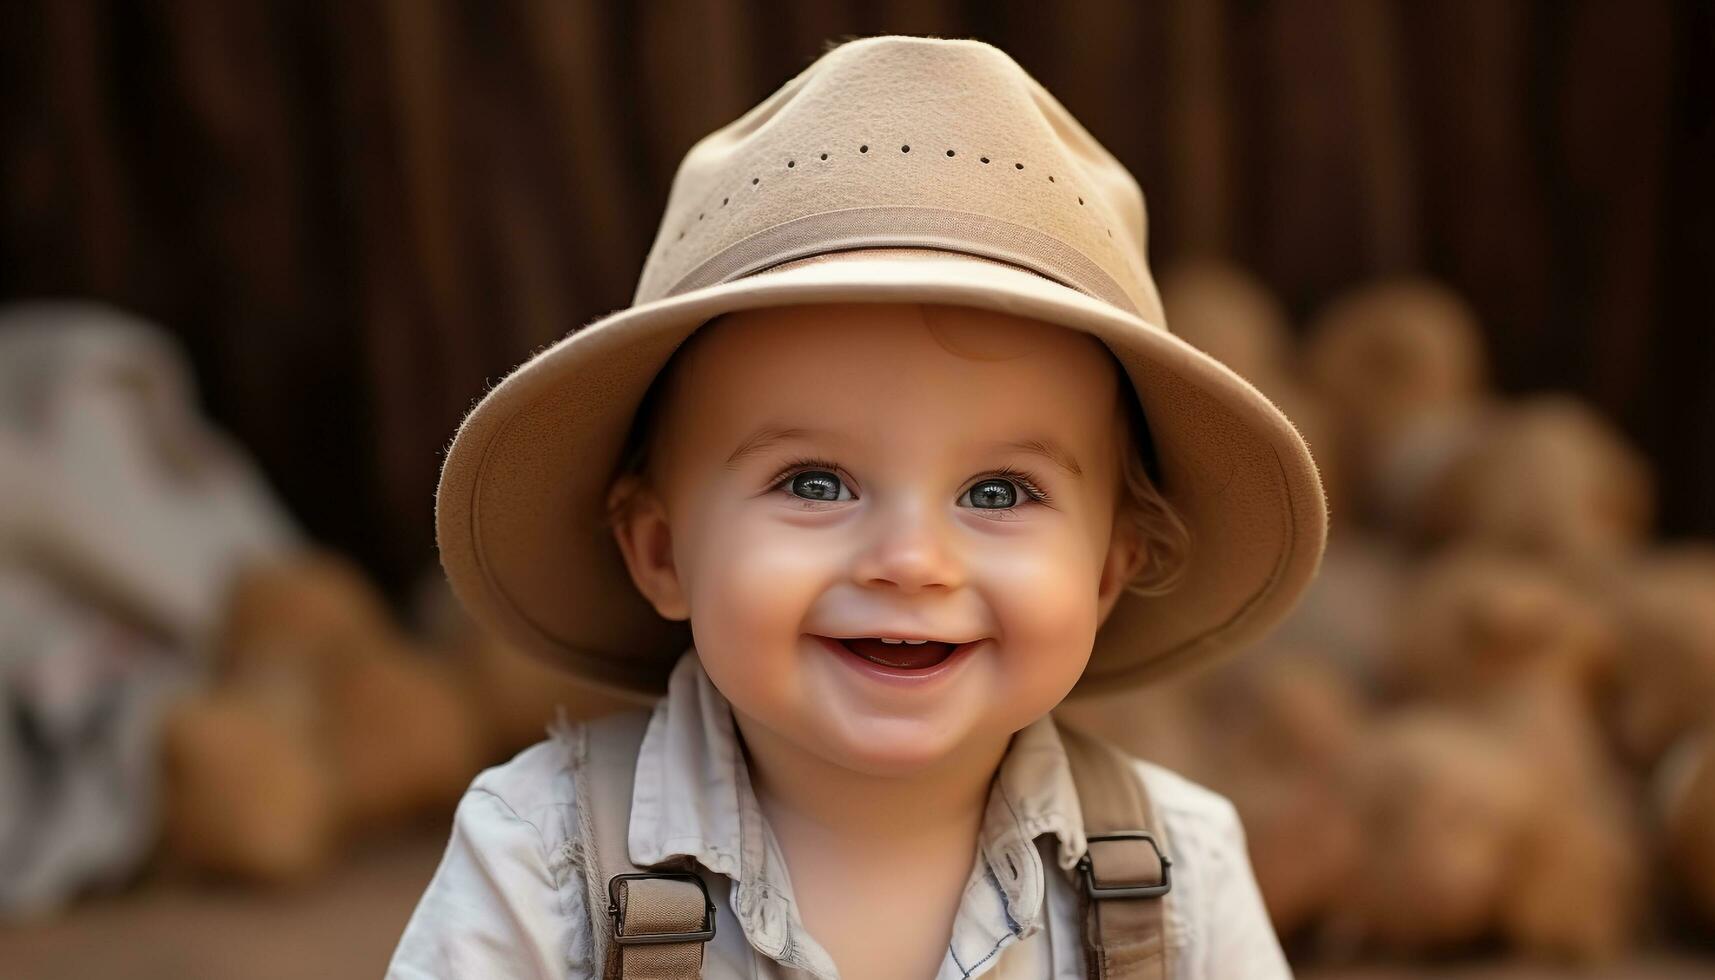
{"x": 912, "y": 142}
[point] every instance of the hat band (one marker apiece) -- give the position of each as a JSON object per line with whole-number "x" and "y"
{"x": 907, "y": 226}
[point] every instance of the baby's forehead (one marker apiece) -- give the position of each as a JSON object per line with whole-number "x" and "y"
{"x": 913, "y": 338}
{"x": 897, "y": 371}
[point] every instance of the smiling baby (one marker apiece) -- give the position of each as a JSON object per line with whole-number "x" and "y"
{"x": 892, "y": 454}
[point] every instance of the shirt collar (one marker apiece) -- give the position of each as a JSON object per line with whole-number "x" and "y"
{"x": 693, "y": 798}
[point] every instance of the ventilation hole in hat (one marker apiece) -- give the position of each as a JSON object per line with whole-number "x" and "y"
{"x": 1080, "y": 200}
{"x": 906, "y": 148}
{"x": 1051, "y": 178}
{"x": 1020, "y": 166}
{"x": 864, "y": 148}
{"x": 724, "y": 200}
{"x": 985, "y": 159}
{"x": 1110, "y": 233}
{"x": 824, "y": 156}
{"x": 949, "y": 152}
{"x": 755, "y": 180}
{"x": 791, "y": 163}
{"x": 699, "y": 217}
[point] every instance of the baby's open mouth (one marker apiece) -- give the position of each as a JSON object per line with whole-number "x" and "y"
{"x": 899, "y": 656}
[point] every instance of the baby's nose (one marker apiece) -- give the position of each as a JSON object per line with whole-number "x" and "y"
{"x": 911, "y": 550}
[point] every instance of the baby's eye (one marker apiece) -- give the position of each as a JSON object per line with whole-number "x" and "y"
{"x": 819, "y": 485}
{"x": 993, "y": 494}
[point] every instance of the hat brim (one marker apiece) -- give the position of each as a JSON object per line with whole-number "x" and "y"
{"x": 521, "y": 505}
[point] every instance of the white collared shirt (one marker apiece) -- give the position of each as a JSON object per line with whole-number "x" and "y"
{"x": 508, "y": 899}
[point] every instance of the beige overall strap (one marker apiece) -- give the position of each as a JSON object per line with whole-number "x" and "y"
{"x": 1124, "y": 874}
{"x": 648, "y": 925}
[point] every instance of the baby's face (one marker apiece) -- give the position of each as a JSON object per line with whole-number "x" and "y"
{"x": 827, "y": 474}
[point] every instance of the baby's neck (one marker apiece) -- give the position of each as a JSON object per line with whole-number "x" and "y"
{"x": 873, "y": 856}
{"x": 808, "y": 798}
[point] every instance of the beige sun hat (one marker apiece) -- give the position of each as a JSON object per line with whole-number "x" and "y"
{"x": 893, "y": 169}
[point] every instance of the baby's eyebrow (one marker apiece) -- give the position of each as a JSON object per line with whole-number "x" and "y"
{"x": 760, "y": 440}
{"x": 768, "y": 435}
{"x": 1046, "y": 448}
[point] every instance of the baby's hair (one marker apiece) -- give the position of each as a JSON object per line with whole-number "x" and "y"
{"x": 1158, "y": 527}
{"x": 1165, "y": 536}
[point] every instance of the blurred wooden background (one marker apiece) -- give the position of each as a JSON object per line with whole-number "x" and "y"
{"x": 356, "y": 215}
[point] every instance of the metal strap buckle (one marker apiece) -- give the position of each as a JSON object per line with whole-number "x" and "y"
{"x": 1087, "y": 868}
{"x": 649, "y": 938}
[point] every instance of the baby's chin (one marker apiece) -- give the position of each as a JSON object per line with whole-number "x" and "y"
{"x": 893, "y": 747}
{"x": 966, "y": 730}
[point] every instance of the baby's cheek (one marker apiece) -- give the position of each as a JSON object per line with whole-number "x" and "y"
{"x": 754, "y": 582}
{"x": 1046, "y": 604}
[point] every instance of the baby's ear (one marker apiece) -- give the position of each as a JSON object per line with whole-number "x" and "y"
{"x": 645, "y": 539}
{"x": 1127, "y": 553}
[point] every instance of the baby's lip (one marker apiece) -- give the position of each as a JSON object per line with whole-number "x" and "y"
{"x": 902, "y": 635}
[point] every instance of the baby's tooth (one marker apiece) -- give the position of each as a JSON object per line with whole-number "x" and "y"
{"x": 888, "y": 640}
{"x": 915, "y": 642}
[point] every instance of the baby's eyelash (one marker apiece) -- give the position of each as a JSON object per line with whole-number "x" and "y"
{"x": 799, "y": 465}
{"x": 1023, "y": 479}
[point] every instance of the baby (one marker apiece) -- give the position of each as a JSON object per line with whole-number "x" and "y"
{"x": 876, "y": 472}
